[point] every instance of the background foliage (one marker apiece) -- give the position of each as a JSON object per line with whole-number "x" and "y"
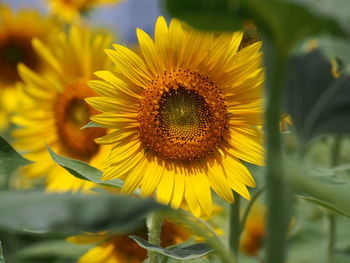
{"x": 308, "y": 170}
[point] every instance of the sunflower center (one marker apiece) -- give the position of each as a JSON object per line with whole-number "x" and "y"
{"x": 126, "y": 250}
{"x": 71, "y": 113}
{"x": 13, "y": 55}
{"x": 182, "y": 115}
{"x": 78, "y": 112}
{"x": 13, "y": 51}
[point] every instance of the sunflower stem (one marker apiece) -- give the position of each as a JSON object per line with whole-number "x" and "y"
{"x": 249, "y": 207}
{"x": 235, "y": 226}
{"x": 201, "y": 228}
{"x": 331, "y": 220}
{"x": 277, "y": 195}
{"x": 335, "y": 155}
{"x": 154, "y": 230}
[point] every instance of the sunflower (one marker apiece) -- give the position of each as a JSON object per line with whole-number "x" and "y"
{"x": 254, "y": 231}
{"x": 70, "y": 10}
{"x": 16, "y": 33}
{"x": 285, "y": 122}
{"x": 53, "y": 109}
{"x": 183, "y": 115}
{"x": 119, "y": 248}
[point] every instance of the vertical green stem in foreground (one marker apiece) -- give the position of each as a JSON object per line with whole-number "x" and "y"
{"x": 335, "y": 158}
{"x": 331, "y": 237}
{"x": 331, "y": 220}
{"x": 2, "y": 260}
{"x": 154, "y": 230}
{"x": 235, "y": 226}
{"x": 277, "y": 188}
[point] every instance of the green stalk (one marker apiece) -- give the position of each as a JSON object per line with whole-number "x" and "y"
{"x": 277, "y": 189}
{"x": 249, "y": 207}
{"x": 335, "y": 157}
{"x": 331, "y": 220}
{"x": 203, "y": 229}
{"x": 331, "y": 237}
{"x": 235, "y": 226}
{"x": 2, "y": 260}
{"x": 154, "y": 230}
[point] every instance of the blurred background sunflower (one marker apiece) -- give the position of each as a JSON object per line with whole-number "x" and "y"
{"x": 117, "y": 248}
{"x": 15, "y": 47}
{"x": 71, "y": 10}
{"x": 53, "y": 109}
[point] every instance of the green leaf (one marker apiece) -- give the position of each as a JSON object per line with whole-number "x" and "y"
{"x": 10, "y": 160}
{"x": 338, "y": 9}
{"x": 50, "y": 248}
{"x": 222, "y": 14}
{"x": 318, "y": 103}
{"x": 285, "y": 22}
{"x": 91, "y": 124}
{"x": 83, "y": 170}
{"x": 337, "y": 49}
{"x": 323, "y": 204}
{"x": 329, "y": 175}
{"x": 181, "y": 253}
{"x": 2, "y": 259}
{"x": 42, "y": 212}
{"x": 331, "y": 196}
{"x": 288, "y": 23}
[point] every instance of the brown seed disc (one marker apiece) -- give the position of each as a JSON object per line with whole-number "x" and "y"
{"x": 13, "y": 50}
{"x": 72, "y": 113}
{"x": 182, "y": 115}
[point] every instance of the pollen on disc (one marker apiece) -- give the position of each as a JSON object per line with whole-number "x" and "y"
{"x": 182, "y": 116}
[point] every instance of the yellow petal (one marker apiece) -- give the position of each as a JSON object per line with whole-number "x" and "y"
{"x": 246, "y": 145}
{"x": 104, "y": 104}
{"x": 191, "y": 197}
{"x": 115, "y": 120}
{"x": 102, "y": 253}
{"x": 166, "y": 187}
{"x": 118, "y": 135}
{"x": 161, "y": 34}
{"x": 219, "y": 183}
{"x": 201, "y": 187}
{"x": 151, "y": 178}
{"x": 179, "y": 189}
{"x": 149, "y": 52}
{"x": 47, "y": 55}
{"x": 130, "y": 64}
{"x": 241, "y": 189}
{"x": 236, "y": 171}
{"x": 134, "y": 178}
{"x": 121, "y": 85}
{"x": 119, "y": 170}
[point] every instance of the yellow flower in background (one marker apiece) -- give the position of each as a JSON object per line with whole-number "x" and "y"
{"x": 16, "y": 33}
{"x": 254, "y": 231}
{"x": 335, "y": 68}
{"x": 285, "y": 122}
{"x": 53, "y": 109}
{"x": 113, "y": 248}
{"x": 182, "y": 115}
{"x": 70, "y": 10}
